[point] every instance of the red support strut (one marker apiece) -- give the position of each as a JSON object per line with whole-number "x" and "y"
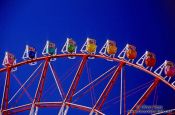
{"x": 6, "y": 92}
{"x": 144, "y": 97}
{"x": 73, "y": 87}
{"x": 76, "y": 80}
{"x": 171, "y": 112}
{"x": 41, "y": 82}
{"x": 108, "y": 88}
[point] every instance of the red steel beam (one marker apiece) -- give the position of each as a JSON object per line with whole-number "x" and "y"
{"x": 24, "y": 89}
{"x": 108, "y": 88}
{"x": 6, "y": 91}
{"x": 41, "y": 82}
{"x": 19, "y": 109}
{"x": 144, "y": 97}
{"x": 171, "y": 112}
{"x": 75, "y": 81}
{"x": 96, "y": 56}
{"x": 26, "y": 107}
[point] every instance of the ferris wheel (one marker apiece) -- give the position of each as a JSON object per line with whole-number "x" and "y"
{"x": 127, "y": 57}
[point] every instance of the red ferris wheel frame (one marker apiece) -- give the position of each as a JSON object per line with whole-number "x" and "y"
{"x": 68, "y": 98}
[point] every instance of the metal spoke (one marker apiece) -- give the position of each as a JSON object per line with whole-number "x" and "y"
{"x": 144, "y": 97}
{"x": 107, "y": 89}
{"x": 40, "y": 87}
{"x": 5, "y": 98}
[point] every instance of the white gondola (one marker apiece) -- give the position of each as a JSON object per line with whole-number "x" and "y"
{"x": 9, "y": 60}
{"x": 66, "y": 47}
{"x": 30, "y": 54}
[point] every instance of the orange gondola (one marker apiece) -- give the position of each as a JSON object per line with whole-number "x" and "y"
{"x": 111, "y": 47}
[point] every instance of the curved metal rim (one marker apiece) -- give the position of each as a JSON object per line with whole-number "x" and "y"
{"x": 96, "y": 56}
{"x": 72, "y": 105}
{"x": 50, "y": 105}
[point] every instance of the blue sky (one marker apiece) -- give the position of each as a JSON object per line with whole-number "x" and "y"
{"x": 147, "y": 24}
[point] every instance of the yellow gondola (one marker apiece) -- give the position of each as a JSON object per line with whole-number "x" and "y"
{"x": 91, "y": 45}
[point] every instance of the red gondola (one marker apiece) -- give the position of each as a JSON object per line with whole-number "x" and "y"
{"x": 131, "y": 52}
{"x": 150, "y": 59}
{"x": 169, "y": 69}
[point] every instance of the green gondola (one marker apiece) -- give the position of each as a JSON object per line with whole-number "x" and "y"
{"x": 71, "y": 48}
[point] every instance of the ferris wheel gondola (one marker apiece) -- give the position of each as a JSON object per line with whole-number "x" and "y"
{"x": 69, "y": 47}
{"x": 128, "y": 53}
{"x": 108, "y": 52}
{"x": 50, "y": 49}
{"x": 89, "y": 47}
{"x": 30, "y": 54}
{"x": 9, "y": 60}
{"x": 109, "y": 49}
